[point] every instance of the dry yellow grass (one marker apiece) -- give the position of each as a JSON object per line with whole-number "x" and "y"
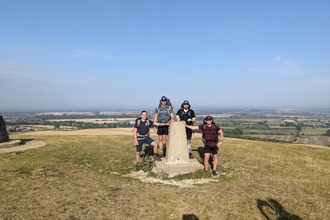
{"x": 85, "y": 177}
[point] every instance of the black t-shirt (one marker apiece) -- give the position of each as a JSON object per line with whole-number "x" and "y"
{"x": 184, "y": 116}
{"x": 142, "y": 126}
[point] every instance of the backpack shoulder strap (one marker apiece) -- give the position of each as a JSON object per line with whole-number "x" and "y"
{"x": 138, "y": 121}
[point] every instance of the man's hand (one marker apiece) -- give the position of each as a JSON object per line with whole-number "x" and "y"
{"x": 219, "y": 144}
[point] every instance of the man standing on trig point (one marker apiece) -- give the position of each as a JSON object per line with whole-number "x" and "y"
{"x": 163, "y": 116}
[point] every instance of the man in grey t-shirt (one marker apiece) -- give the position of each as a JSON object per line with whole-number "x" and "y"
{"x": 163, "y": 115}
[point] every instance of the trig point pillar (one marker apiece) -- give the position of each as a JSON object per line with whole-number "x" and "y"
{"x": 177, "y": 158}
{"x": 177, "y": 151}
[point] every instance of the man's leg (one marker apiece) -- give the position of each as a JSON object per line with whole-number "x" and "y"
{"x": 166, "y": 137}
{"x": 206, "y": 160}
{"x": 160, "y": 139}
{"x": 189, "y": 134}
{"x": 155, "y": 147}
{"x": 160, "y": 133}
{"x": 215, "y": 161}
{"x": 138, "y": 155}
{"x": 151, "y": 142}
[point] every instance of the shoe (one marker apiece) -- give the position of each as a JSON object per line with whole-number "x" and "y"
{"x": 214, "y": 174}
{"x": 137, "y": 167}
{"x": 157, "y": 158}
{"x": 191, "y": 156}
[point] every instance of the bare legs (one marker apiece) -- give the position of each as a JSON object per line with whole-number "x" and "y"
{"x": 206, "y": 160}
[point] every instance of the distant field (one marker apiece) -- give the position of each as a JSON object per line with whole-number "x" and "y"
{"x": 314, "y": 131}
{"x": 91, "y": 113}
{"x": 96, "y": 120}
{"x": 317, "y": 140}
{"x": 100, "y": 131}
{"x": 286, "y": 138}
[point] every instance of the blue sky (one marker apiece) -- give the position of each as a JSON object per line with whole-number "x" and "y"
{"x": 107, "y": 54}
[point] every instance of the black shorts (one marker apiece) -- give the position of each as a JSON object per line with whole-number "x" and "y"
{"x": 189, "y": 133}
{"x": 211, "y": 149}
{"x": 162, "y": 130}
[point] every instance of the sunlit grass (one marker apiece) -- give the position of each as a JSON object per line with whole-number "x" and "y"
{"x": 82, "y": 177}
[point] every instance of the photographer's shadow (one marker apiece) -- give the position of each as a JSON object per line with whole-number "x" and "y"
{"x": 276, "y": 210}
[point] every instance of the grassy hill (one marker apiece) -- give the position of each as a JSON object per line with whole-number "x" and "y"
{"x": 87, "y": 177}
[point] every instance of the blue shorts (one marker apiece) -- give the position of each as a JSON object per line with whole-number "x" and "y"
{"x": 147, "y": 140}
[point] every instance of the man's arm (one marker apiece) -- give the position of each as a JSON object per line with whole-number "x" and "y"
{"x": 193, "y": 116}
{"x": 221, "y": 138}
{"x": 135, "y": 137}
{"x": 172, "y": 117}
{"x": 221, "y": 134}
{"x": 192, "y": 127}
{"x": 155, "y": 117}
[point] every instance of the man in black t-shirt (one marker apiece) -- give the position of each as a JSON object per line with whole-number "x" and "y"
{"x": 188, "y": 115}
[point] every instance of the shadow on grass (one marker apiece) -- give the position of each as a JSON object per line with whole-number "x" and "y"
{"x": 24, "y": 141}
{"x": 189, "y": 217}
{"x": 276, "y": 210}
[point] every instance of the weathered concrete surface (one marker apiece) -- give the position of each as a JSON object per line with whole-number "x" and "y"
{"x": 177, "y": 151}
{"x": 177, "y": 158}
{"x": 28, "y": 145}
{"x": 177, "y": 169}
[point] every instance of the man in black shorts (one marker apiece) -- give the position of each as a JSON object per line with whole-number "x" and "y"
{"x": 163, "y": 116}
{"x": 185, "y": 113}
{"x": 212, "y": 138}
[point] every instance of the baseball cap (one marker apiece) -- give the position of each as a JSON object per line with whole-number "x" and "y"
{"x": 208, "y": 118}
{"x": 163, "y": 98}
{"x": 185, "y": 102}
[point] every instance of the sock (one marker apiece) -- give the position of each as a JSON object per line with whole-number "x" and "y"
{"x": 190, "y": 150}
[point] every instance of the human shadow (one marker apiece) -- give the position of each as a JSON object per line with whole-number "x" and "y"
{"x": 189, "y": 217}
{"x": 147, "y": 151}
{"x": 271, "y": 209}
{"x": 24, "y": 141}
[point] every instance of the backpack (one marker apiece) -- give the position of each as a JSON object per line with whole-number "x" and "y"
{"x": 182, "y": 112}
{"x": 169, "y": 106}
{"x": 168, "y": 103}
{"x": 138, "y": 121}
{"x": 214, "y": 130}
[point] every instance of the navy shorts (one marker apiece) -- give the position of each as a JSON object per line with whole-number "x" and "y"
{"x": 189, "y": 134}
{"x": 211, "y": 149}
{"x": 147, "y": 140}
{"x": 162, "y": 130}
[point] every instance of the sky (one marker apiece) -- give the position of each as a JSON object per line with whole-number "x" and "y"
{"x": 109, "y": 54}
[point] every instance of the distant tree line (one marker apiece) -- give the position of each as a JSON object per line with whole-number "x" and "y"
{"x": 88, "y": 125}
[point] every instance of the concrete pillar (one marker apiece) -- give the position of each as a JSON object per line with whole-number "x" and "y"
{"x": 177, "y": 159}
{"x": 177, "y": 151}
